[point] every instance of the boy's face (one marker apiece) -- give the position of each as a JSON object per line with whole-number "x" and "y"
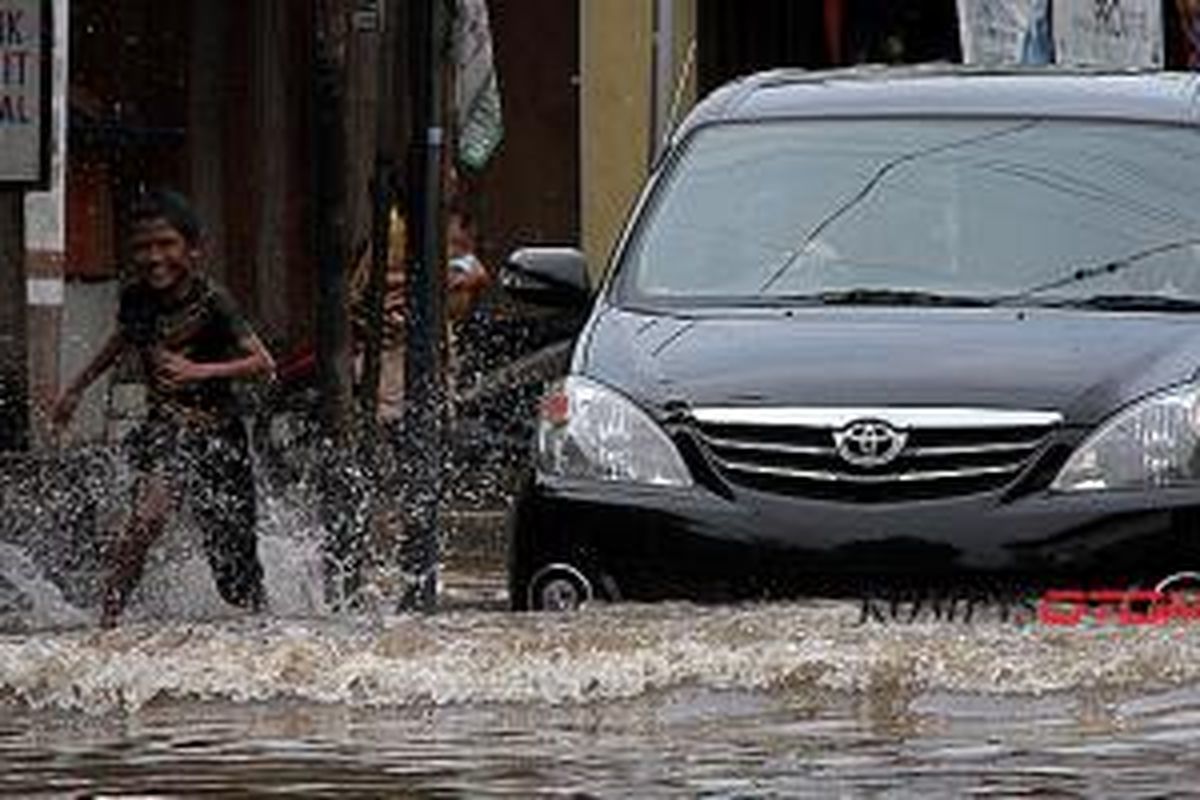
{"x": 161, "y": 254}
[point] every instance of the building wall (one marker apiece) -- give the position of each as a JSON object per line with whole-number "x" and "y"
{"x": 618, "y": 92}
{"x": 45, "y": 243}
{"x": 208, "y": 96}
{"x": 529, "y": 193}
{"x": 210, "y": 24}
{"x": 279, "y": 248}
{"x": 88, "y": 314}
{"x": 616, "y": 37}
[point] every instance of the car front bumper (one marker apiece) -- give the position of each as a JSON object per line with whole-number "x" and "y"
{"x": 654, "y": 543}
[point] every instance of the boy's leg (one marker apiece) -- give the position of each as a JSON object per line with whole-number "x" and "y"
{"x": 127, "y": 556}
{"x": 224, "y": 506}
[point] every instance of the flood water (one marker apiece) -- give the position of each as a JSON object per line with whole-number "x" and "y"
{"x": 621, "y": 701}
{"x": 674, "y": 700}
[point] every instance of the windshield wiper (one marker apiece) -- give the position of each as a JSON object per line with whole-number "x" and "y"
{"x": 1125, "y": 302}
{"x": 882, "y": 297}
{"x": 1099, "y": 270}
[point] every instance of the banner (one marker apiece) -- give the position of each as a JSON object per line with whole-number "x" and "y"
{"x": 1109, "y": 33}
{"x": 999, "y": 32}
{"x": 476, "y": 90}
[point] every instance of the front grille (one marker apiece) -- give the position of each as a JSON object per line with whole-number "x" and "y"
{"x": 944, "y": 455}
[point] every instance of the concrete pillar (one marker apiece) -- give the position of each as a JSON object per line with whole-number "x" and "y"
{"x": 44, "y": 295}
{"x": 615, "y": 44}
{"x": 46, "y": 245}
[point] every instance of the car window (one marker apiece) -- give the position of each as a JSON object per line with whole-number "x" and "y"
{"x": 983, "y": 207}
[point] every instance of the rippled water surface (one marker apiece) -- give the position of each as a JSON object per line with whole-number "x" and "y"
{"x": 671, "y": 700}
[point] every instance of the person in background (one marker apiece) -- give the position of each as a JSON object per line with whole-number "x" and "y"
{"x": 392, "y": 334}
{"x": 466, "y": 280}
{"x": 192, "y": 342}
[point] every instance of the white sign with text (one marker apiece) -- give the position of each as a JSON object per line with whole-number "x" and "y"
{"x": 23, "y": 112}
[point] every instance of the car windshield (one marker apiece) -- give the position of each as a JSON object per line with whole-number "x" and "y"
{"x": 918, "y": 210}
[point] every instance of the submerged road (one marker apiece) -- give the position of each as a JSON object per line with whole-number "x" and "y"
{"x": 670, "y": 700}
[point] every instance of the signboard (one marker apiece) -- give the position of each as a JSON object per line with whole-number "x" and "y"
{"x": 45, "y": 211}
{"x": 1109, "y": 33}
{"x": 25, "y": 54}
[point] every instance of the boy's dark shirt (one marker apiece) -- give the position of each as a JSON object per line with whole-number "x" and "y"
{"x": 204, "y": 325}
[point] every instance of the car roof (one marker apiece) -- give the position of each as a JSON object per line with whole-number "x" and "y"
{"x": 953, "y": 90}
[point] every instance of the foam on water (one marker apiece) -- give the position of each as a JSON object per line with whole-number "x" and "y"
{"x": 601, "y": 654}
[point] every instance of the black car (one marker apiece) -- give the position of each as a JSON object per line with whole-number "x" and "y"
{"x": 865, "y": 326}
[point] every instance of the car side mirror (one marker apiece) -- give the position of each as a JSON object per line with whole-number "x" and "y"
{"x": 552, "y": 276}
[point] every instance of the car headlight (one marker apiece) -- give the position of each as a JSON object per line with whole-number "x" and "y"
{"x": 1154, "y": 443}
{"x": 588, "y": 431}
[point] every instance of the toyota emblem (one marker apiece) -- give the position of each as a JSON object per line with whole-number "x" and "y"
{"x": 869, "y": 443}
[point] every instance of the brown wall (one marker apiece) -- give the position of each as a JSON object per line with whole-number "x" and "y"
{"x": 222, "y": 90}
{"x": 211, "y": 97}
{"x": 264, "y": 165}
{"x": 127, "y": 118}
{"x": 790, "y": 33}
{"x": 529, "y": 193}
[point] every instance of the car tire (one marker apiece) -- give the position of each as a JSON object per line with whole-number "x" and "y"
{"x": 559, "y": 587}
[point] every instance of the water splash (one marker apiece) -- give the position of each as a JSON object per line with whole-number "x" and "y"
{"x": 61, "y": 511}
{"x": 28, "y": 601}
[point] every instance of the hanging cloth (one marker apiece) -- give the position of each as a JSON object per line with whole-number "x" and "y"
{"x": 1109, "y": 33}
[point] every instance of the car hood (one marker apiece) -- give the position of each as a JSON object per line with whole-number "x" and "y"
{"x": 1085, "y": 364}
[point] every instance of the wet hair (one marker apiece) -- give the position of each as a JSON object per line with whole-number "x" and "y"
{"x": 168, "y": 205}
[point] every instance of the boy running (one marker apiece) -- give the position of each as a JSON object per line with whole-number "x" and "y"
{"x": 192, "y": 342}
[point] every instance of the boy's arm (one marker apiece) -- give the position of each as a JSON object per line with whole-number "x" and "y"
{"x": 64, "y": 406}
{"x": 256, "y": 362}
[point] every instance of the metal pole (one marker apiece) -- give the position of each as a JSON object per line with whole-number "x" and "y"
{"x": 14, "y": 345}
{"x": 425, "y": 285}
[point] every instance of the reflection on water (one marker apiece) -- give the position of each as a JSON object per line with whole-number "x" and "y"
{"x": 683, "y": 742}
